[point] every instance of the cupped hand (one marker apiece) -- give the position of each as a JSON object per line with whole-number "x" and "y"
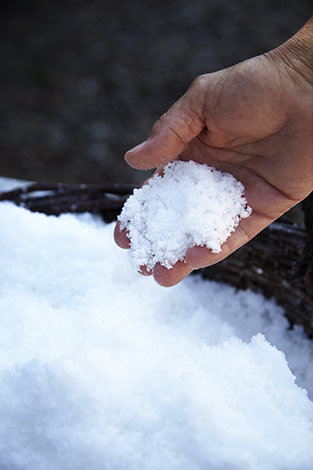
{"x": 254, "y": 120}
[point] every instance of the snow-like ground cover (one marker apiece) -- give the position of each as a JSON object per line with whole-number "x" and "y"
{"x": 102, "y": 369}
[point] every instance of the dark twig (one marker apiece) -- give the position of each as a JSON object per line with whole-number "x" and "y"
{"x": 58, "y": 198}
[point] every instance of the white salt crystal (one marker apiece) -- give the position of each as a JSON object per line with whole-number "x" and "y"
{"x": 101, "y": 368}
{"x": 191, "y": 204}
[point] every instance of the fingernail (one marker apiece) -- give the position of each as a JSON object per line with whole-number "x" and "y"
{"x": 134, "y": 149}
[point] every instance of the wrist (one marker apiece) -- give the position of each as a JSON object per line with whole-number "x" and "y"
{"x": 296, "y": 54}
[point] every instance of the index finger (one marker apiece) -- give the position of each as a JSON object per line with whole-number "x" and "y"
{"x": 173, "y": 131}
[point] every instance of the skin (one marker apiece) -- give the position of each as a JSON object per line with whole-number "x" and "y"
{"x": 254, "y": 120}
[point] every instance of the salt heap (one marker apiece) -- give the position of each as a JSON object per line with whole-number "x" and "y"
{"x": 190, "y": 204}
{"x": 101, "y": 368}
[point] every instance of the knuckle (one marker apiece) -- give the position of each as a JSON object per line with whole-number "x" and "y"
{"x": 156, "y": 126}
{"x": 199, "y": 83}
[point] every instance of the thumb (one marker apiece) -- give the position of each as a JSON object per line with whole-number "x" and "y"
{"x": 175, "y": 128}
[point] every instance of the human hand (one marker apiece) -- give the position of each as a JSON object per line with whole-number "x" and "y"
{"x": 254, "y": 120}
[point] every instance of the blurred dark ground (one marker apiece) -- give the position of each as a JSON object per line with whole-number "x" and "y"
{"x": 83, "y": 81}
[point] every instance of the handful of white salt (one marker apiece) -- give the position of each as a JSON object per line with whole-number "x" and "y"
{"x": 189, "y": 205}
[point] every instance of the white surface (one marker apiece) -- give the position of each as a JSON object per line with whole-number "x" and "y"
{"x": 7, "y": 184}
{"x": 191, "y": 204}
{"x": 101, "y": 368}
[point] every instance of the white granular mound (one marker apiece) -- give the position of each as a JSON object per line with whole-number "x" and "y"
{"x": 102, "y": 369}
{"x": 191, "y": 204}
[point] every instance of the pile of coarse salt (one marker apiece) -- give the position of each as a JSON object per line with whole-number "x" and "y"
{"x": 101, "y": 368}
{"x": 189, "y": 205}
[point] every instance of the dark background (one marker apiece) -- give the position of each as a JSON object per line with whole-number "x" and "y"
{"x": 83, "y": 81}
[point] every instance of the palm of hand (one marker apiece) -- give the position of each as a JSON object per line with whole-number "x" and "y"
{"x": 248, "y": 120}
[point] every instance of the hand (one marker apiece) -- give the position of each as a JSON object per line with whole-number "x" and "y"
{"x": 254, "y": 120}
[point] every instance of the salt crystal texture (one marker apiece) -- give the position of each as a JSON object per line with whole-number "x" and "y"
{"x": 101, "y": 368}
{"x": 191, "y": 204}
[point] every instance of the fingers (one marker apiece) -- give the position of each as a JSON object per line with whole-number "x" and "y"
{"x": 144, "y": 271}
{"x": 200, "y": 256}
{"x": 176, "y": 128}
{"x": 170, "y": 277}
{"x": 120, "y": 237}
{"x": 122, "y": 240}
{"x": 163, "y": 276}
